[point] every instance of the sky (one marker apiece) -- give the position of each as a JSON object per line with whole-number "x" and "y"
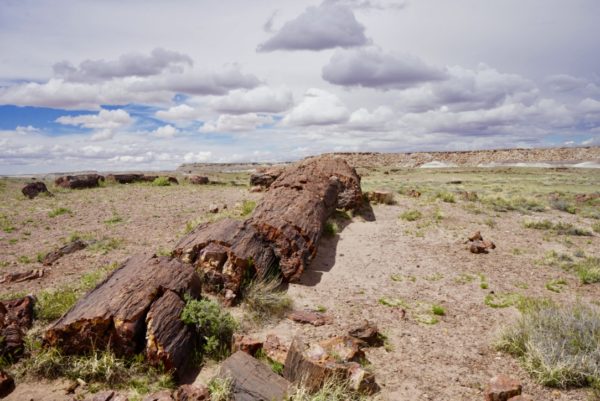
{"x": 149, "y": 84}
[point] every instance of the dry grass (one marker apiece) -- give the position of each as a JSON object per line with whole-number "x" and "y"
{"x": 265, "y": 299}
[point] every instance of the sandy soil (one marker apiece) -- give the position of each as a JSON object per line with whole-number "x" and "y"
{"x": 421, "y": 263}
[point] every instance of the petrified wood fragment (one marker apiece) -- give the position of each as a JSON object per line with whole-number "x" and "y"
{"x": 16, "y": 317}
{"x": 22, "y": 276}
{"x": 71, "y": 247}
{"x": 79, "y": 181}
{"x": 33, "y": 189}
{"x": 253, "y": 380}
{"x": 265, "y": 177}
{"x": 136, "y": 301}
{"x": 283, "y": 230}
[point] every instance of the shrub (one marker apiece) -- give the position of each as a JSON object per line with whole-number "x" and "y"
{"x": 214, "y": 325}
{"x": 558, "y": 228}
{"x": 59, "y": 211}
{"x": 558, "y": 345}
{"x": 411, "y": 215}
{"x": 447, "y": 197}
{"x": 596, "y": 227}
{"x": 161, "y": 182}
{"x": 248, "y": 207}
{"x": 333, "y": 389}
{"x": 563, "y": 206}
{"x": 502, "y": 300}
{"x": 438, "y": 310}
{"x": 588, "y": 270}
{"x": 265, "y": 300}
{"x": 330, "y": 229}
{"x": 220, "y": 389}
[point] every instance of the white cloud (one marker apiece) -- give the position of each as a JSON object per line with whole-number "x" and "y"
{"x": 105, "y": 123}
{"x": 263, "y": 99}
{"x": 181, "y": 112}
{"x": 237, "y": 123}
{"x": 197, "y": 157}
{"x": 378, "y": 119}
{"x": 318, "y": 107}
{"x": 166, "y": 131}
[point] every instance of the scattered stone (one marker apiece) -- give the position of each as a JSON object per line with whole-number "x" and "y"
{"x": 137, "y": 307}
{"x": 246, "y": 344}
{"x": 213, "y": 209}
{"x": 33, "y": 189}
{"x": 380, "y": 196}
{"x": 252, "y": 380}
{"x": 79, "y": 181}
{"x": 413, "y": 193}
{"x": 102, "y": 396}
{"x": 16, "y": 317}
{"x": 164, "y": 395}
{"x": 265, "y": 178}
{"x": 310, "y": 317}
{"x": 313, "y": 364}
{"x": 469, "y": 196}
{"x": 502, "y": 388}
{"x": 7, "y": 384}
{"x": 275, "y": 349}
{"x": 198, "y": 180}
{"x": 367, "y": 332}
{"x": 478, "y": 245}
{"x": 71, "y": 247}
{"x": 256, "y": 188}
{"x": 582, "y": 198}
{"x": 22, "y": 276}
{"x": 188, "y": 392}
{"x": 455, "y": 182}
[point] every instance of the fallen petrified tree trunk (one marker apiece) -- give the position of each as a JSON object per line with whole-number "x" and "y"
{"x": 283, "y": 231}
{"x": 135, "y": 309}
{"x": 71, "y": 247}
{"x": 16, "y": 317}
{"x": 33, "y": 189}
{"x": 79, "y": 181}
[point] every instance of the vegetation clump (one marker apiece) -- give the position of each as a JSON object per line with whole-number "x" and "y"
{"x": 59, "y": 211}
{"x": 558, "y": 345}
{"x": 265, "y": 299}
{"x": 559, "y": 228}
{"x": 161, "y": 182}
{"x": 411, "y": 215}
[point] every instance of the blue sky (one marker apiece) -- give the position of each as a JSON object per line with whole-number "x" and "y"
{"x": 125, "y": 85}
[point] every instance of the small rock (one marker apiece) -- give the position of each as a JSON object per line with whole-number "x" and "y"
{"x": 198, "y": 180}
{"x": 246, "y": 344}
{"x": 310, "y": 317}
{"x": 384, "y": 197}
{"x": 476, "y": 236}
{"x": 367, "y": 332}
{"x": 188, "y": 392}
{"x": 522, "y": 397}
{"x": 502, "y": 388}
{"x": 256, "y": 188}
{"x": 213, "y": 209}
{"x": 164, "y": 395}
{"x": 7, "y": 384}
{"x": 101, "y": 396}
{"x": 413, "y": 193}
{"x": 33, "y": 189}
{"x": 275, "y": 349}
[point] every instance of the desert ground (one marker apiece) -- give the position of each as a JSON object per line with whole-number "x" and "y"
{"x": 392, "y": 267}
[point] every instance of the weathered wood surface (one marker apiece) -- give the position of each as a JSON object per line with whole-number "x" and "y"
{"x": 79, "y": 181}
{"x": 16, "y": 317}
{"x": 71, "y": 247}
{"x": 116, "y": 313}
{"x": 252, "y": 380}
{"x": 283, "y": 231}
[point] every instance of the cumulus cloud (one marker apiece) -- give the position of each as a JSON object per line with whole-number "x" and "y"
{"x": 166, "y": 131}
{"x": 329, "y": 25}
{"x": 318, "y": 107}
{"x": 104, "y": 124}
{"x": 237, "y": 123}
{"x": 131, "y": 64}
{"x": 374, "y": 4}
{"x": 197, "y": 157}
{"x": 378, "y": 119}
{"x": 220, "y": 82}
{"x": 259, "y": 100}
{"x": 181, "y": 112}
{"x": 371, "y": 67}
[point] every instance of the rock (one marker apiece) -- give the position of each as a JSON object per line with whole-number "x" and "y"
{"x": 198, "y": 180}
{"x": 502, "y": 388}
{"x": 252, "y": 380}
{"x": 265, "y": 178}
{"x": 188, "y": 392}
{"x": 134, "y": 308}
{"x": 246, "y": 344}
{"x": 22, "y": 276}
{"x": 164, "y": 395}
{"x": 476, "y": 236}
{"x": 71, "y": 247}
{"x": 102, "y": 396}
{"x": 283, "y": 230}
{"x": 213, "y": 209}
{"x": 478, "y": 245}
{"x": 413, "y": 193}
{"x": 468, "y": 196}
{"x": 131, "y": 178}
{"x": 79, "y": 181}
{"x": 314, "y": 364}
{"x": 310, "y": 317}
{"x": 16, "y": 317}
{"x": 7, "y": 384}
{"x": 522, "y": 397}
{"x": 173, "y": 180}
{"x": 256, "y": 188}
{"x": 380, "y": 196}
{"x": 275, "y": 349}
{"x": 33, "y": 189}
{"x": 367, "y": 332}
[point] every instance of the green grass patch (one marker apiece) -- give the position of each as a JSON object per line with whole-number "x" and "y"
{"x": 411, "y": 215}
{"x": 447, "y": 197}
{"x": 588, "y": 270}
{"x": 161, "y": 182}
{"x": 105, "y": 245}
{"x": 248, "y": 207}
{"x": 115, "y": 219}
{"x": 559, "y": 228}
{"x": 330, "y": 229}
{"x": 558, "y": 345}
{"x": 438, "y": 310}
{"x": 393, "y": 302}
{"x": 53, "y": 303}
{"x": 502, "y": 300}
{"x": 59, "y": 211}
{"x": 556, "y": 285}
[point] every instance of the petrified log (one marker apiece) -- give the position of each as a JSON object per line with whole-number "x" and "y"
{"x": 132, "y": 309}
{"x": 283, "y": 230}
{"x": 33, "y": 189}
{"x": 198, "y": 180}
{"x": 16, "y": 317}
{"x": 310, "y": 317}
{"x": 22, "y": 276}
{"x": 189, "y": 392}
{"x": 126, "y": 178}
{"x": 7, "y": 384}
{"x": 79, "y": 181}
{"x": 71, "y": 247}
{"x": 252, "y": 380}
{"x": 265, "y": 178}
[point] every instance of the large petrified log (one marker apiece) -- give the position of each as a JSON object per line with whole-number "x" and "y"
{"x": 283, "y": 231}
{"x": 33, "y": 189}
{"x": 79, "y": 181}
{"x": 16, "y": 317}
{"x": 135, "y": 309}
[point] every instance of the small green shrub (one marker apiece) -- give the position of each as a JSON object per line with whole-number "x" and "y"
{"x": 214, "y": 325}
{"x": 447, "y": 197}
{"x": 438, "y": 310}
{"x": 588, "y": 270}
{"x": 558, "y": 345}
{"x": 115, "y": 219}
{"x": 330, "y": 229}
{"x": 596, "y": 227}
{"x": 559, "y": 228}
{"x": 220, "y": 389}
{"x": 59, "y": 211}
{"x": 266, "y": 300}
{"x": 393, "y": 302}
{"x": 248, "y": 207}
{"x": 411, "y": 215}
{"x": 563, "y": 206}
{"x": 105, "y": 245}
{"x": 161, "y": 182}
{"x": 556, "y": 285}
{"x": 333, "y": 389}
{"x": 502, "y": 300}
